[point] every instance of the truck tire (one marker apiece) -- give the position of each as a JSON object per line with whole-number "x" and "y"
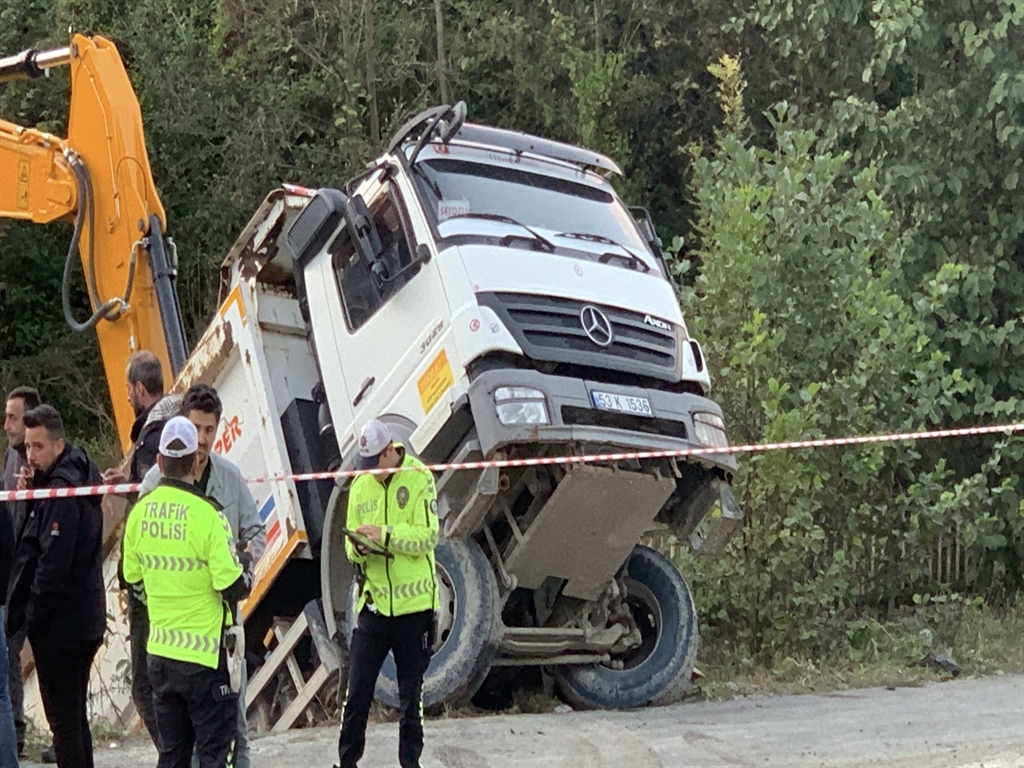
{"x": 469, "y": 625}
{"x": 658, "y": 671}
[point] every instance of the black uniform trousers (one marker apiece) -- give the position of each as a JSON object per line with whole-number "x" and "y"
{"x": 142, "y": 689}
{"x": 195, "y": 707}
{"x": 63, "y": 669}
{"x": 409, "y": 639}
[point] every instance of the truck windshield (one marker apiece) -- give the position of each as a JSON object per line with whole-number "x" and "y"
{"x": 453, "y": 188}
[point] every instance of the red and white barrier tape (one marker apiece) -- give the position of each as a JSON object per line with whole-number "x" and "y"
{"x": 99, "y": 490}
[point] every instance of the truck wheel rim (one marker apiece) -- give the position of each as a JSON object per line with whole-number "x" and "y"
{"x": 447, "y": 608}
{"x": 647, "y": 615}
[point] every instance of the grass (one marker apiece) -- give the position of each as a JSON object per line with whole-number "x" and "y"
{"x": 984, "y": 641}
{"x": 36, "y": 741}
{"x": 104, "y": 731}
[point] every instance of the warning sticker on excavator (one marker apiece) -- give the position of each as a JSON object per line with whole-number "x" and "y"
{"x": 435, "y": 381}
{"x": 22, "y": 190}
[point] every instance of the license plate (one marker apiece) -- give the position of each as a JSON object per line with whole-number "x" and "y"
{"x": 640, "y": 406}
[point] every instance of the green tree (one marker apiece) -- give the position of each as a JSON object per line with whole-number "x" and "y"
{"x": 798, "y": 297}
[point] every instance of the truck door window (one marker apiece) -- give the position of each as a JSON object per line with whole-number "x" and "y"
{"x": 364, "y": 289}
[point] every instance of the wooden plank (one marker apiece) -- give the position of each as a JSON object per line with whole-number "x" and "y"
{"x": 279, "y": 656}
{"x": 293, "y": 666}
{"x": 302, "y": 700}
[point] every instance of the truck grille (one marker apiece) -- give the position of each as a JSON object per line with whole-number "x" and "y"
{"x": 550, "y": 329}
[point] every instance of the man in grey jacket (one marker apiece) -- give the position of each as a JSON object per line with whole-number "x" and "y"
{"x": 222, "y": 482}
{"x": 19, "y": 401}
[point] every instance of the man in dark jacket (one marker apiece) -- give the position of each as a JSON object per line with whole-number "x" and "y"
{"x": 19, "y": 401}
{"x": 57, "y": 592}
{"x": 145, "y": 381}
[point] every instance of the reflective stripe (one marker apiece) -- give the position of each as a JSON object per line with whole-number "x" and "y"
{"x": 179, "y": 638}
{"x": 171, "y": 563}
{"x": 411, "y": 589}
{"x": 414, "y": 547}
{"x": 414, "y": 589}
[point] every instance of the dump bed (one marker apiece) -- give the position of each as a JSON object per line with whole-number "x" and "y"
{"x": 256, "y": 353}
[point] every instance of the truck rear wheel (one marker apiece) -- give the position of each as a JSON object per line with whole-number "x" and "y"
{"x": 468, "y": 629}
{"x": 658, "y": 670}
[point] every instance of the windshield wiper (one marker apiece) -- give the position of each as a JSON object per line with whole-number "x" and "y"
{"x": 545, "y": 244}
{"x": 606, "y": 257}
{"x": 636, "y": 261}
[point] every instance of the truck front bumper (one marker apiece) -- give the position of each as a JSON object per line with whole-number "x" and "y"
{"x": 571, "y": 416}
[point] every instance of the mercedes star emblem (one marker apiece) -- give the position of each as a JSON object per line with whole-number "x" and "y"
{"x": 596, "y": 325}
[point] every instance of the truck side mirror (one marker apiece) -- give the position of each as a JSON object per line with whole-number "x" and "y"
{"x": 315, "y": 224}
{"x": 362, "y": 230}
{"x": 649, "y": 233}
{"x": 642, "y": 217}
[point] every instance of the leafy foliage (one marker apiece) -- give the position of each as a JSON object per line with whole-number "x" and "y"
{"x": 799, "y": 298}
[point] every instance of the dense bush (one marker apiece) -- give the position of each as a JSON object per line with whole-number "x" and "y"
{"x": 798, "y": 300}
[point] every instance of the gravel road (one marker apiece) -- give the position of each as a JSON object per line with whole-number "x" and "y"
{"x": 976, "y": 723}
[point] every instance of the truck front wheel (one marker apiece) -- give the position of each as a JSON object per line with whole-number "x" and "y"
{"x": 658, "y": 670}
{"x": 468, "y": 629}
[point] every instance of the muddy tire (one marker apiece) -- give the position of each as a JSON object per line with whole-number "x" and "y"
{"x": 658, "y": 671}
{"x": 468, "y": 629}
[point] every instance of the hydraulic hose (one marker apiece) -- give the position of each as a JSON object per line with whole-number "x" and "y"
{"x": 111, "y": 309}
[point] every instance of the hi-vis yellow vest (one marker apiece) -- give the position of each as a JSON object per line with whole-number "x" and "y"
{"x": 181, "y": 548}
{"x": 406, "y": 510}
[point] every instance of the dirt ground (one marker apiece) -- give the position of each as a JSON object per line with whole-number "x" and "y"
{"x": 976, "y": 723}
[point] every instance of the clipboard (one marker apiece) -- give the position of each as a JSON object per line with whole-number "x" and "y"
{"x": 370, "y": 546}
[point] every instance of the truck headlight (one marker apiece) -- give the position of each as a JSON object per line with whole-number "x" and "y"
{"x": 520, "y": 405}
{"x": 709, "y": 429}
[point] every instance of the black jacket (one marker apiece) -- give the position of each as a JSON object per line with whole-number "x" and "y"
{"x": 6, "y": 550}
{"x": 12, "y": 513}
{"x": 145, "y": 436}
{"x": 57, "y": 591}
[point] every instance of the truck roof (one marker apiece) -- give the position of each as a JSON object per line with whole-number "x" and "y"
{"x": 517, "y": 141}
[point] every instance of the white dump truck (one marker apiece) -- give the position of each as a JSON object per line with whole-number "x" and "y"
{"x": 489, "y": 296}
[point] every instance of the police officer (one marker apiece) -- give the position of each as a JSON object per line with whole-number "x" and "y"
{"x": 397, "y": 513}
{"x": 180, "y": 557}
{"x": 144, "y": 382}
{"x": 222, "y": 482}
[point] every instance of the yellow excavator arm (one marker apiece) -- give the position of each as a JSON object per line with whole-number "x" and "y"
{"x": 100, "y": 179}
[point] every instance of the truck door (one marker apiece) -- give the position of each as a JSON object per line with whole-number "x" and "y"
{"x": 393, "y": 315}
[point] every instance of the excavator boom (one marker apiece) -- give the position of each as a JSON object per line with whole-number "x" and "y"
{"x": 99, "y": 177}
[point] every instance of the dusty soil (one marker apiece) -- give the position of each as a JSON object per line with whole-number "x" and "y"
{"x": 959, "y": 724}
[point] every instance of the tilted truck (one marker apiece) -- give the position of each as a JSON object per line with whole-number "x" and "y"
{"x": 489, "y": 296}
